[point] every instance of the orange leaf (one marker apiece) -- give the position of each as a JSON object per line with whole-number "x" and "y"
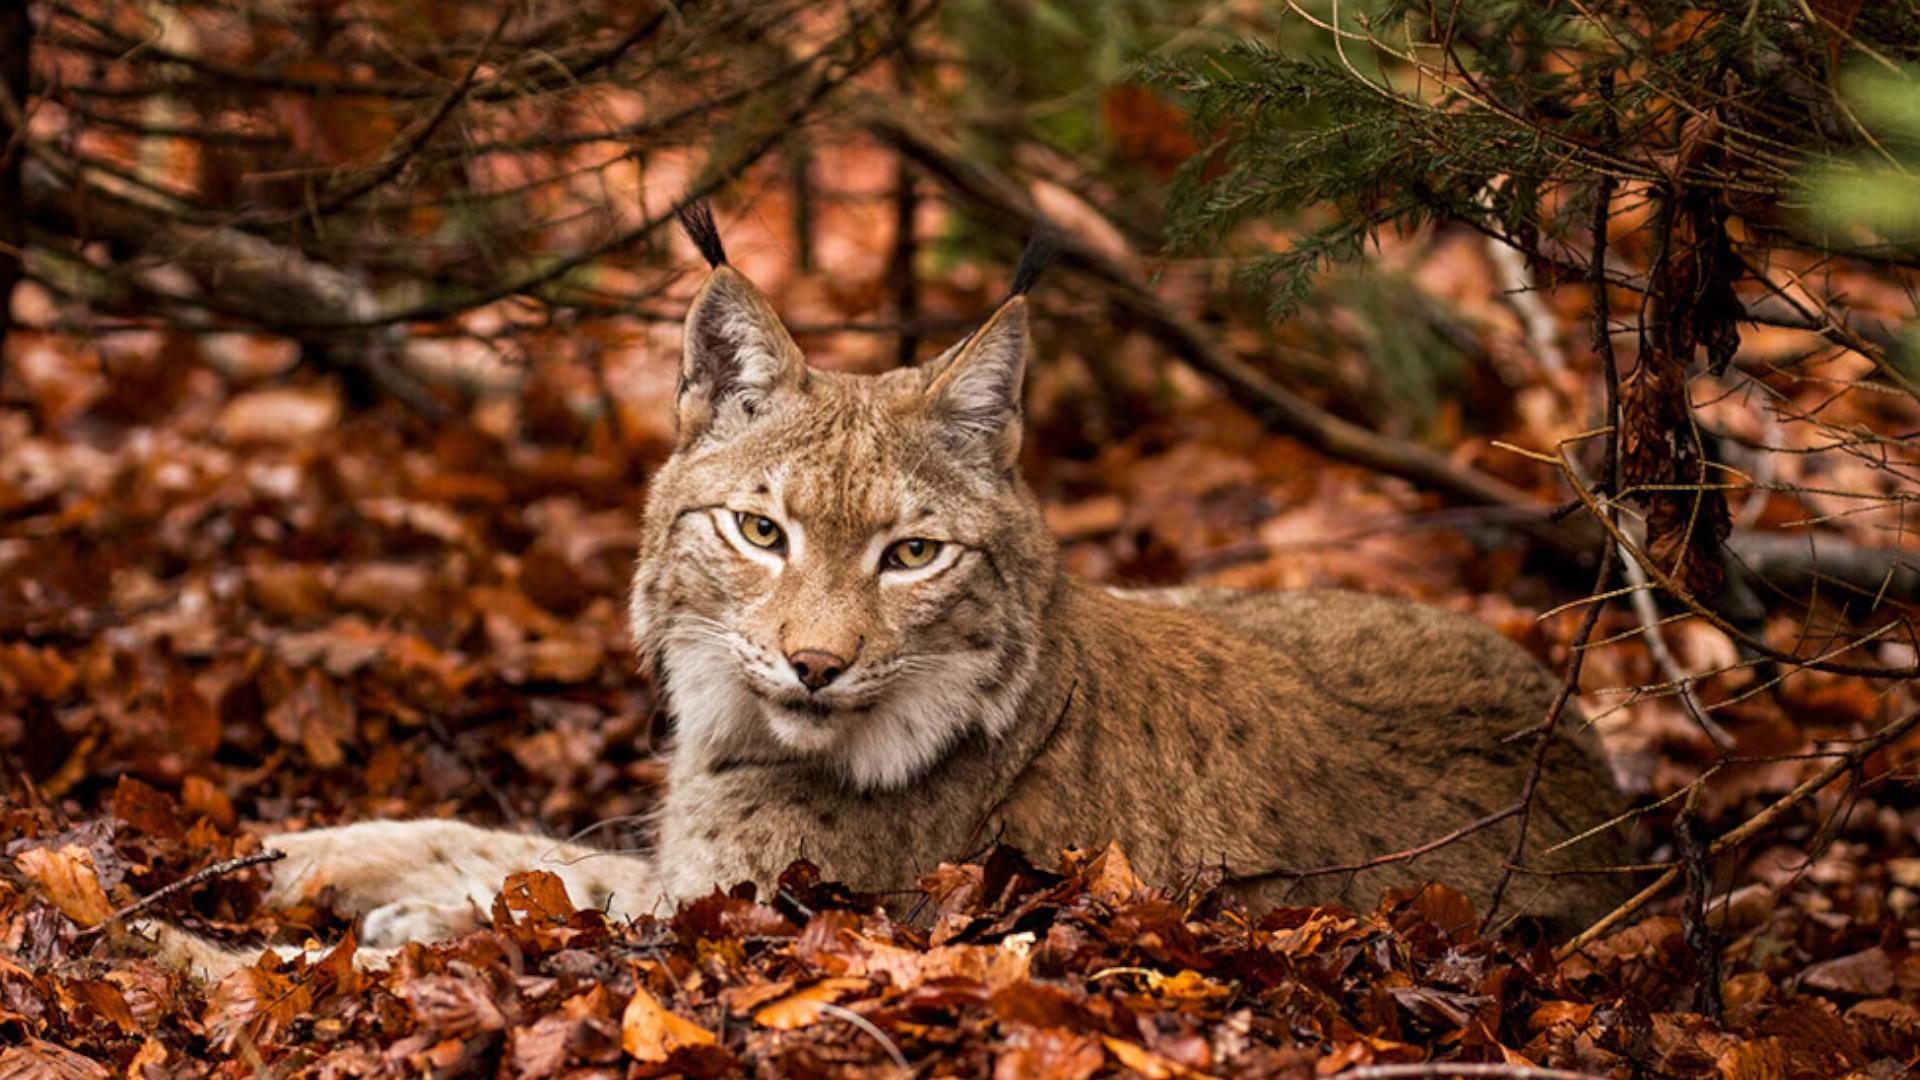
{"x": 1755, "y": 1059}
{"x": 38, "y": 1060}
{"x": 1142, "y": 1060}
{"x": 992, "y": 965}
{"x": 107, "y": 1000}
{"x": 253, "y": 1005}
{"x": 68, "y": 877}
{"x": 651, "y": 1034}
{"x": 802, "y": 1007}
{"x": 1048, "y": 1054}
{"x": 1559, "y": 1012}
{"x": 540, "y": 893}
{"x": 1112, "y": 876}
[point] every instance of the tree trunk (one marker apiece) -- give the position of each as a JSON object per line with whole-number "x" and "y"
{"x": 16, "y": 42}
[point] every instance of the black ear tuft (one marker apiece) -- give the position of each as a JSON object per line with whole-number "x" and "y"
{"x": 697, "y": 219}
{"x": 1041, "y": 249}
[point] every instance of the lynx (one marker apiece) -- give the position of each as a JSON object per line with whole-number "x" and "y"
{"x": 848, "y": 597}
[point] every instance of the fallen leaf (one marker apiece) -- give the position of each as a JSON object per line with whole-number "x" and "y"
{"x": 68, "y": 876}
{"x": 802, "y": 1007}
{"x": 651, "y": 1034}
{"x": 1031, "y": 1053}
{"x": 1142, "y": 1060}
{"x": 452, "y": 1005}
{"x": 1760, "y": 1059}
{"x": 252, "y": 1006}
{"x": 564, "y": 660}
{"x": 538, "y": 892}
{"x": 1559, "y": 1012}
{"x": 994, "y": 967}
{"x": 36, "y": 1060}
{"x": 1111, "y": 877}
{"x": 315, "y": 717}
{"x": 1868, "y": 973}
{"x": 106, "y": 999}
{"x": 285, "y": 414}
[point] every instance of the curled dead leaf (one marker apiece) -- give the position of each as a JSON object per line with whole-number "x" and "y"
{"x": 1868, "y": 973}
{"x": 280, "y": 415}
{"x": 1144, "y": 1061}
{"x": 1111, "y": 877}
{"x": 651, "y": 1034}
{"x": 36, "y": 1060}
{"x": 452, "y": 1005}
{"x": 68, "y": 876}
{"x": 803, "y": 1007}
{"x": 540, "y": 893}
{"x": 1048, "y": 1054}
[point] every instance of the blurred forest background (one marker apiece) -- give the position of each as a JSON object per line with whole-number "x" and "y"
{"x": 340, "y": 338}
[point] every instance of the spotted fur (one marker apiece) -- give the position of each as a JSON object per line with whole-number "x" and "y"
{"x": 985, "y": 695}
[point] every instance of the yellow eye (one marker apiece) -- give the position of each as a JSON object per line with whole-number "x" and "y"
{"x": 760, "y": 531}
{"x": 909, "y": 554}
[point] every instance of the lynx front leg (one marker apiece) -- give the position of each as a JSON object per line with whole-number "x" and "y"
{"x": 427, "y": 880}
{"x": 211, "y": 962}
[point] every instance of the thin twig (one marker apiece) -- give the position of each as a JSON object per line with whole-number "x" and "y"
{"x": 1648, "y": 612}
{"x": 1576, "y": 660}
{"x": 1748, "y": 829}
{"x": 1693, "y": 910}
{"x": 1407, "y": 855}
{"x": 892, "y": 1048}
{"x": 193, "y": 880}
{"x": 1544, "y": 735}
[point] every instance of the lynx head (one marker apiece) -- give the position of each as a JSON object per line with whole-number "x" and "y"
{"x": 842, "y": 568}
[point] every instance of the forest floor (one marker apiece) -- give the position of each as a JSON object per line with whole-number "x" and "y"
{"x": 233, "y": 603}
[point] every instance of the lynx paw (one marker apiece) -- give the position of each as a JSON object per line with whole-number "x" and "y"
{"x": 395, "y": 924}
{"x": 175, "y": 948}
{"x": 373, "y": 864}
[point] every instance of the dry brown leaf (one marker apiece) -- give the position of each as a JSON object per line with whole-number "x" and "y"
{"x": 384, "y": 588}
{"x": 539, "y": 893}
{"x": 286, "y": 414}
{"x": 152, "y": 1055}
{"x": 1144, "y": 1061}
{"x": 37, "y": 672}
{"x": 1758, "y": 1059}
{"x": 315, "y": 717}
{"x": 802, "y": 1007}
{"x": 253, "y": 1005}
{"x": 1559, "y": 1012}
{"x": 191, "y": 717}
{"x": 1868, "y": 973}
{"x": 36, "y": 1060}
{"x": 1111, "y": 877}
{"x": 452, "y": 1005}
{"x": 106, "y": 999}
{"x": 68, "y": 876}
{"x": 1048, "y": 1054}
{"x": 651, "y": 1034}
{"x": 993, "y": 966}
{"x": 564, "y": 660}
{"x": 1097, "y": 516}
{"x": 296, "y": 591}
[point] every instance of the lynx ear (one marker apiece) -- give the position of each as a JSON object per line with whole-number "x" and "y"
{"x": 974, "y": 396}
{"x": 737, "y": 354}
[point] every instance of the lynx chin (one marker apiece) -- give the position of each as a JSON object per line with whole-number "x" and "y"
{"x": 860, "y": 624}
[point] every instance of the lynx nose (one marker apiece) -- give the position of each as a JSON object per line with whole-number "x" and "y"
{"x": 816, "y": 668}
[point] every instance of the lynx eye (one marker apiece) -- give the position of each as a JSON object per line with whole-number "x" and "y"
{"x": 909, "y": 554}
{"x": 760, "y": 531}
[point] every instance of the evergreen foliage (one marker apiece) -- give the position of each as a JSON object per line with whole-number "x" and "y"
{"x": 1506, "y": 116}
